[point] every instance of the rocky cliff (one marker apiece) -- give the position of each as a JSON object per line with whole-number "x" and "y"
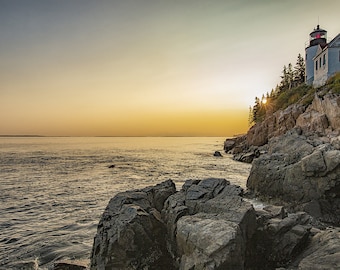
{"x": 322, "y": 117}
{"x": 302, "y": 171}
{"x": 208, "y": 224}
{"x": 296, "y": 156}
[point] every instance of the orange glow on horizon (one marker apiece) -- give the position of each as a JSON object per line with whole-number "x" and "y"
{"x": 204, "y": 123}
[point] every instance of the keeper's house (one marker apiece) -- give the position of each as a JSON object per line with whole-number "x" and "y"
{"x": 322, "y": 58}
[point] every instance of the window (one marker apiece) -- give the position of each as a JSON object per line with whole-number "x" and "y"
{"x": 316, "y": 65}
{"x": 324, "y": 59}
{"x": 320, "y": 62}
{"x": 339, "y": 56}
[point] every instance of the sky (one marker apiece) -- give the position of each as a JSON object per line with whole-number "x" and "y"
{"x": 146, "y": 67}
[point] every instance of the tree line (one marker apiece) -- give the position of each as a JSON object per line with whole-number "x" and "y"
{"x": 291, "y": 78}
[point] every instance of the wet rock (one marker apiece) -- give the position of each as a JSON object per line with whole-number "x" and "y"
{"x": 229, "y": 144}
{"x": 245, "y": 157}
{"x": 217, "y": 154}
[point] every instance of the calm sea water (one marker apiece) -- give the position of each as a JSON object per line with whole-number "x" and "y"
{"x": 54, "y": 190}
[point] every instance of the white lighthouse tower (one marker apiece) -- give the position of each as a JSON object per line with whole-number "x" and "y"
{"x": 317, "y": 37}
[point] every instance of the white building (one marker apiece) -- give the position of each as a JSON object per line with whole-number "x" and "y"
{"x": 322, "y": 58}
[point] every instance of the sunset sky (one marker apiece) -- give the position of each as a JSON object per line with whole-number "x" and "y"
{"x": 146, "y": 67}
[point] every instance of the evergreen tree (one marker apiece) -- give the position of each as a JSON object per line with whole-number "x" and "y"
{"x": 284, "y": 80}
{"x": 256, "y": 110}
{"x": 290, "y": 75}
{"x": 279, "y": 97}
{"x": 287, "y": 78}
{"x": 299, "y": 71}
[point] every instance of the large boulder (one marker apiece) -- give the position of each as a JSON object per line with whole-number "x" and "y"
{"x": 300, "y": 170}
{"x": 209, "y": 225}
{"x": 131, "y": 233}
{"x": 207, "y": 241}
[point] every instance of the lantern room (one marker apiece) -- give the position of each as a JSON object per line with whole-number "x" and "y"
{"x": 318, "y": 36}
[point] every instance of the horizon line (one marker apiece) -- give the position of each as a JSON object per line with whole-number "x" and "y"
{"x": 108, "y": 136}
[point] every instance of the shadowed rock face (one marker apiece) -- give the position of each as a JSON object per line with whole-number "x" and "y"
{"x": 278, "y": 239}
{"x": 131, "y": 233}
{"x": 302, "y": 171}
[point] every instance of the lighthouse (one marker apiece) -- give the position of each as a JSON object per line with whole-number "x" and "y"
{"x": 316, "y": 38}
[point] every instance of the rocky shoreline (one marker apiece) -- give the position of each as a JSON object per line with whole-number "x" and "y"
{"x": 208, "y": 224}
{"x": 212, "y": 224}
{"x": 295, "y": 156}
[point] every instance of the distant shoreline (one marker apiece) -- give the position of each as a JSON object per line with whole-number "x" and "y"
{"x": 6, "y": 136}
{"x": 51, "y": 136}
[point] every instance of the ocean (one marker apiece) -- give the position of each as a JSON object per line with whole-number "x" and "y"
{"x": 53, "y": 190}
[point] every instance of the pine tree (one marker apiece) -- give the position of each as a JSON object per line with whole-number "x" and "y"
{"x": 284, "y": 79}
{"x": 256, "y": 110}
{"x": 287, "y": 77}
{"x": 290, "y": 75}
{"x": 299, "y": 71}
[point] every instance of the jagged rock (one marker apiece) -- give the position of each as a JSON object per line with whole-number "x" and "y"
{"x": 131, "y": 233}
{"x": 209, "y": 225}
{"x": 229, "y": 144}
{"x": 247, "y": 157}
{"x": 236, "y": 145}
{"x": 322, "y": 113}
{"x": 321, "y": 118}
{"x": 205, "y": 225}
{"x": 209, "y": 242}
{"x": 274, "y": 125}
{"x": 279, "y": 238}
{"x": 323, "y": 252}
{"x": 299, "y": 172}
{"x": 268, "y": 212}
{"x": 217, "y": 154}
{"x": 313, "y": 121}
